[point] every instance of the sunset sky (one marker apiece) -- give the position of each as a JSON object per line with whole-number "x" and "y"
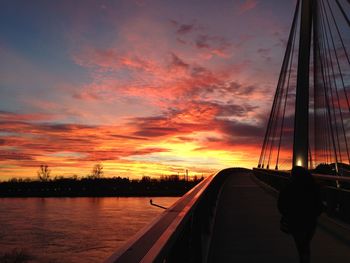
{"x": 143, "y": 87}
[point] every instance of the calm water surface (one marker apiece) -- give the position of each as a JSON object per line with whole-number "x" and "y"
{"x": 73, "y": 229}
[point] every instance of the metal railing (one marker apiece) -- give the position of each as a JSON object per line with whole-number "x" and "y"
{"x": 315, "y": 175}
{"x": 335, "y": 190}
{"x": 182, "y": 232}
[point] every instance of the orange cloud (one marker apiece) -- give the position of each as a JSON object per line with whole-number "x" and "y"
{"x": 28, "y": 143}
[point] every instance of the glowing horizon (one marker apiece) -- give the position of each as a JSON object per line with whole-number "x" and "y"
{"x": 143, "y": 87}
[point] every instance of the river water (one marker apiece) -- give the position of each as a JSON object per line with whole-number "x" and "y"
{"x": 68, "y": 230}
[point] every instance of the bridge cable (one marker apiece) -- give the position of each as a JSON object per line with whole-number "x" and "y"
{"x": 328, "y": 79}
{"x": 276, "y": 109}
{"x": 276, "y": 97}
{"x": 335, "y": 83}
{"x": 275, "y": 123}
{"x": 338, "y": 104}
{"x": 324, "y": 99}
{"x": 280, "y": 95}
{"x": 343, "y": 12}
{"x": 339, "y": 34}
{"x": 289, "y": 53}
{"x": 317, "y": 126}
{"x": 345, "y": 52}
{"x": 285, "y": 100}
{"x": 329, "y": 115}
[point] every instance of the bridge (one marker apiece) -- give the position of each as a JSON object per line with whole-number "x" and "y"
{"x": 232, "y": 216}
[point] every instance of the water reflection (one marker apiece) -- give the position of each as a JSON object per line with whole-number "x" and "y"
{"x": 73, "y": 229}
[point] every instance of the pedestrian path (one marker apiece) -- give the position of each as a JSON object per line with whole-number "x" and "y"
{"x": 246, "y": 228}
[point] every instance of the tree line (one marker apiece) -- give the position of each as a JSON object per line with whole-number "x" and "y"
{"x": 95, "y": 185}
{"x": 44, "y": 173}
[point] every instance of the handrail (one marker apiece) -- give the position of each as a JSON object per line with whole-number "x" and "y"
{"x": 155, "y": 239}
{"x": 165, "y": 237}
{"x": 331, "y": 177}
{"x": 315, "y": 175}
{"x": 335, "y": 192}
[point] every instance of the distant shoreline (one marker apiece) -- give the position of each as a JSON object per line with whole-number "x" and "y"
{"x": 102, "y": 187}
{"x": 80, "y": 196}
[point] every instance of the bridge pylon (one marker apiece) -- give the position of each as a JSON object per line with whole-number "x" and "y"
{"x": 301, "y": 120}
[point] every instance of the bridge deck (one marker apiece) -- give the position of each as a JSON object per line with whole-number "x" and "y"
{"x": 247, "y": 228}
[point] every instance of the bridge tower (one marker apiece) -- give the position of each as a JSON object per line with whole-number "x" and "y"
{"x": 301, "y": 121}
{"x": 318, "y": 29}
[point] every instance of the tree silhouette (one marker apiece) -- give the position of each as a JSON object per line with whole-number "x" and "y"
{"x": 44, "y": 173}
{"x": 146, "y": 178}
{"x": 97, "y": 171}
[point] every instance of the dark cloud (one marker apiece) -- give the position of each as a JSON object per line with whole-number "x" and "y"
{"x": 62, "y": 127}
{"x": 181, "y": 41}
{"x": 154, "y": 126}
{"x": 155, "y": 131}
{"x": 176, "y": 62}
{"x": 4, "y": 113}
{"x": 148, "y": 151}
{"x": 196, "y": 35}
{"x": 265, "y": 53}
{"x": 165, "y": 125}
{"x": 197, "y": 71}
{"x": 202, "y": 41}
{"x": 147, "y": 120}
{"x": 183, "y": 29}
{"x": 219, "y": 88}
{"x": 86, "y": 95}
{"x": 234, "y": 109}
{"x": 239, "y": 89}
{"x": 15, "y": 155}
{"x": 128, "y": 137}
{"x": 115, "y": 154}
{"x": 240, "y": 129}
{"x": 239, "y": 133}
{"x": 13, "y": 116}
{"x": 196, "y": 116}
{"x": 205, "y": 41}
{"x": 213, "y": 139}
{"x": 281, "y": 39}
{"x": 185, "y": 138}
{"x": 27, "y": 126}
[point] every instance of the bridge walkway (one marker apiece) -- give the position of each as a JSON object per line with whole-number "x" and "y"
{"x": 246, "y": 228}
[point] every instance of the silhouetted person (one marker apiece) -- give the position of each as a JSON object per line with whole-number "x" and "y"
{"x": 300, "y": 205}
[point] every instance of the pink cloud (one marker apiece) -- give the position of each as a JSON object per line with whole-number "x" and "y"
{"x": 110, "y": 60}
{"x": 248, "y": 5}
{"x": 9, "y": 116}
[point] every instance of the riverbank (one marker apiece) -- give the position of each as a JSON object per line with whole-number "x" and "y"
{"x": 101, "y": 187}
